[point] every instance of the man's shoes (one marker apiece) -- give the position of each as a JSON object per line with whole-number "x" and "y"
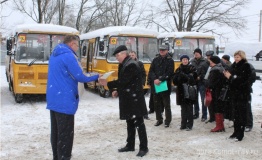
{"x": 203, "y": 119}
{"x": 188, "y": 128}
{"x": 158, "y": 123}
{"x": 150, "y": 111}
{"x": 196, "y": 116}
{"x": 248, "y": 129}
{"x": 210, "y": 121}
{"x": 166, "y": 125}
{"x": 182, "y": 128}
{"x": 141, "y": 153}
{"x": 233, "y": 136}
{"x": 126, "y": 149}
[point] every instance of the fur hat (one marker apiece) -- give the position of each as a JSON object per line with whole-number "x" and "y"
{"x": 209, "y": 53}
{"x": 120, "y": 49}
{"x": 163, "y": 47}
{"x": 184, "y": 56}
{"x": 215, "y": 59}
{"x": 226, "y": 57}
{"x": 198, "y": 51}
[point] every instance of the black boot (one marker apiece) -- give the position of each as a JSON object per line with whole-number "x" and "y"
{"x": 141, "y": 153}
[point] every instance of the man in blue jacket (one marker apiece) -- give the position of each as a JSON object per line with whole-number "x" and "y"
{"x": 64, "y": 73}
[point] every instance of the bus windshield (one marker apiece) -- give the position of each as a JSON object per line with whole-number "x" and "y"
{"x": 36, "y": 47}
{"x": 146, "y": 48}
{"x": 187, "y": 46}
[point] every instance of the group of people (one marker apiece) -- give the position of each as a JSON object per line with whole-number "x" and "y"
{"x": 230, "y": 86}
{"x": 195, "y": 75}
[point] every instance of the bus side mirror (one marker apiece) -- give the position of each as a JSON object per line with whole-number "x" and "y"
{"x": 9, "y": 46}
{"x": 84, "y": 51}
{"x": 101, "y": 45}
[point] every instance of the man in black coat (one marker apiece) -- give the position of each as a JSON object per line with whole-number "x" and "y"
{"x": 132, "y": 102}
{"x": 133, "y": 55}
{"x": 201, "y": 64}
{"x": 162, "y": 69}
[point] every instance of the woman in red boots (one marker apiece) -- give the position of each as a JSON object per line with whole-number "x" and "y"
{"x": 215, "y": 83}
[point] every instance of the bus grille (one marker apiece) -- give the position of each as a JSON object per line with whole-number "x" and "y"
{"x": 25, "y": 75}
{"x": 42, "y": 75}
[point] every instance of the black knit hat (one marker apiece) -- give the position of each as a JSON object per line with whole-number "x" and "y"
{"x": 184, "y": 56}
{"x": 120, "y": 49}
{"x": 198, "y": 51}
{"x": 215, "y": 59}
{"x": 226, "y": 57}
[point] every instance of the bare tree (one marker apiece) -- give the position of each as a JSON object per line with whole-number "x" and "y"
{"x": 118, "y": 13}
{"x": 189, "y": 15}
{"x": 61, "y": 11}
{"x": 38, "y": 10}
{"x": 33, "y": 9}
{"x": 51, "y": 10}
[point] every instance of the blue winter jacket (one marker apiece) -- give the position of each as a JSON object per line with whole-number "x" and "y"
{"x": 64, "y": 73}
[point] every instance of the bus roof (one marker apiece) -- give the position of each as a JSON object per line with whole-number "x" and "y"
{"x": 44, "y": 28}
{"x": 185, "y": 35}
{"x": 119, "y": 30}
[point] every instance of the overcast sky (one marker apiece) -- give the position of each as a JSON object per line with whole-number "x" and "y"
{"x": 251, "y": 12}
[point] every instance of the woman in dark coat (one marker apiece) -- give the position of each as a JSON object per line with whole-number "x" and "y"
{"x": 185, "y": 74}
{"x": 238, "y": 76}
{"x": 132, "y": 102}
{"x": 215, "y": 82}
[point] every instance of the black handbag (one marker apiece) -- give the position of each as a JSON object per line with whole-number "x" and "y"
{"x": 190, "y": 91}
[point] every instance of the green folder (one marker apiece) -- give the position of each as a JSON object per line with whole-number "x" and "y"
{"x": 161, "y": 87}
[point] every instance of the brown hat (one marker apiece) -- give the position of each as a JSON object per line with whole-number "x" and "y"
{"x": 120, "y": 49}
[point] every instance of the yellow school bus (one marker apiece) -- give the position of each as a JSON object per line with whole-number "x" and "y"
{"x": 186, "y": 42}
{"x": 28, "y": 52}
{"x": 98, "y": 47}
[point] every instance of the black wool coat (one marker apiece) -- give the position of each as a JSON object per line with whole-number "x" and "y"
{"x": 161, "y": 68}
{"x": 240, "y": 85}
{"x": 130, "y": 89}
{"x": 216, "y": 81}
{"x": 184, "y": 74}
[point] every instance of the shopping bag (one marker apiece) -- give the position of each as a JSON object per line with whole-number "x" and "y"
{"x": 208, "y": 97}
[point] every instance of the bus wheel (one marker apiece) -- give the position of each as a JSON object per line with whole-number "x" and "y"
{"x": 10, "y": 85}
{"x": 103, "y": 92}
{"x": 18, "y": 98}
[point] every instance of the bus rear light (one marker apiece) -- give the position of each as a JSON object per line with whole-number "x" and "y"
{"x": 26, "y": 84}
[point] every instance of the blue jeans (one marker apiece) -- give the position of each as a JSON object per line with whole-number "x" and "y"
{"x": 201, "y": 89}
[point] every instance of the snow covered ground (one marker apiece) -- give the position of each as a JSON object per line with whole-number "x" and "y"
{"x": 25, "y": 132}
